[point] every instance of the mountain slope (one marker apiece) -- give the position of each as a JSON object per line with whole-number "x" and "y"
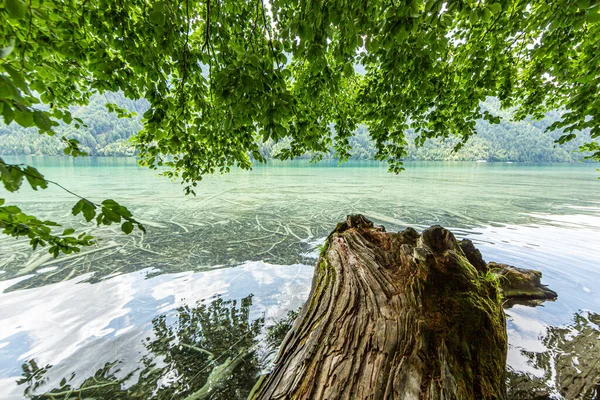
{"x": 107, "y": 135}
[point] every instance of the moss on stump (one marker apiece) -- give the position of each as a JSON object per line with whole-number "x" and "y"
{"x": 393, "y": 316}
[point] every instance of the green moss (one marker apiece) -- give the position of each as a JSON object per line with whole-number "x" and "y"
{"x": 323, "y": 248}
{"x": 467, "y": 303}
{"x": 323, "y": 264}
{"x": 490, "y": 277}
{"x": 326, "y": 275}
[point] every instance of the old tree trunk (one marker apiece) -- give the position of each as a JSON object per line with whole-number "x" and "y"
{"x": 395, "y": 316}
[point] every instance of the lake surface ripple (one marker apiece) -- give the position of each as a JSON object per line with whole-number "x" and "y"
{"x": 249, "y": 240}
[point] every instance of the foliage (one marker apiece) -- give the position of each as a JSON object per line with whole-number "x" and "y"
{"x": 15, "y": 223}
{"x": 218, "y": 75}
{"x": 105, "y": 134}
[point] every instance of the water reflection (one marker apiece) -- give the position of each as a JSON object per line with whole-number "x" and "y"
{"x": 210, "y": 351}
{"x": 565, "y": 364}
{"x": 79, "y": 326}
{"x": 217, "y": 351}
{"x": 80, "y": 313}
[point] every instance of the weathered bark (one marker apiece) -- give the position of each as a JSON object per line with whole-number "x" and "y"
{"x": 517, "y": 285}
{"x": 393, "y": 316}
{"x": 520, "y": 284}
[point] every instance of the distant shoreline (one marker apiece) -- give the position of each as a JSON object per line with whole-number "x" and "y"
{"x": 370, "y": 160}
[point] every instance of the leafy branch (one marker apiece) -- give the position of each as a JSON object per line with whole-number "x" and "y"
{"x": 18, "y": 224}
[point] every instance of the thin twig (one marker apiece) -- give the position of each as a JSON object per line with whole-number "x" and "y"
{"x": 40, "y": 177}
{"x": 269, "y": 33}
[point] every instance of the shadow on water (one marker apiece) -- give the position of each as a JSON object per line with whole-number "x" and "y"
{"x": 531, "y": 216}
{"x": 211, "y": 351}
{"x": 568, "y": 367}
{"x": 217, "y": 351}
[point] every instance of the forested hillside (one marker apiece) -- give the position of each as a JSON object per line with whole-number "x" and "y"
{"x": 107, "y": 135}
{"x": 104, "y": 135}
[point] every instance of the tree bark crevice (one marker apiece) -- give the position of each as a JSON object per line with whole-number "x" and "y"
{"x": 394, "y": 316}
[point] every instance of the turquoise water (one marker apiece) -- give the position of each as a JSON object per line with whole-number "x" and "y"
{"x": 256, "y": 232}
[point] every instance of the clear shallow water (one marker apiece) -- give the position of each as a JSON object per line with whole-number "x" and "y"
{"x": 256, "y": 233}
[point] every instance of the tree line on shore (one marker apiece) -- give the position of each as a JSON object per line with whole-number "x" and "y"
{"x": 105, "y": 134}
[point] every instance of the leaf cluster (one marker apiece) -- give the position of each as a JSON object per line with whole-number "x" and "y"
{"x": 218, "y": 74}
{"x": 16, "y": 223}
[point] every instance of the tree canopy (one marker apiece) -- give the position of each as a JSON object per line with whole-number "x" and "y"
{"x": 218, "y": 74}
{"x": 105, "y": 134}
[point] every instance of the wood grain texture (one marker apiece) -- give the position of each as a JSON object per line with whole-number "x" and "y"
{"x": 393, "y": 316}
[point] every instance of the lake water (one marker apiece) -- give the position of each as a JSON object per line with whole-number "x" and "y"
{"x": 158, "y": 313}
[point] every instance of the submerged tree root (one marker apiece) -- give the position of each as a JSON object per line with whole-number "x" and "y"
{"x": 394, "y": 316}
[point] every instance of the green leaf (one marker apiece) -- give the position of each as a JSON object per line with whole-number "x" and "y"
{"x": 121, "y": 112}
{"x": 42, "y": 121}
{"x": 5, "y": 51}
{"x": 35, "y": 179}
{"x": 24, "y": 118}
{"x": 127, "y": 227}
{"x": 593, "y": 15}
{"x": 496, "y": 8}
{"x": 583, "y": 4}
{"x": 157, "y": 14}
{"x": 110, "y": 203}
{"x": 89, "y": 211}
{"x": 68, "y": 232}
{"x": 85, "y": 206}
{"x": 566, "y": 138}
{"x": 110, "y": 216}
{"x": 17, "y": 78}
{"x": 67, "y": 118}
{"x": 7, "y": 88}
{"x": 446, "y": 19}
{"x": 11, "y": 177}
{"x": 487, "y": 15}
{"x": 348, "y": 69}
{"x": 157, "y": 18}
{"x": 77, "y": 208}
{"x": 474, "y": 18}
{"x": 7, "y": 113}
{"x": 16, "y": 9}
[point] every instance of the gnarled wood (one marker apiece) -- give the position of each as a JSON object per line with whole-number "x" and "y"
{"x": 517, "y": 285}
{"x": 393, "y": 316}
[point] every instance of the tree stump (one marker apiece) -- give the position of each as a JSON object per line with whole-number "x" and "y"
{"x": 393, "y": 316}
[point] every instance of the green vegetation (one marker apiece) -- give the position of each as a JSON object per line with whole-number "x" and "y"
{"x": 220, "y": 77}
{"x": 108, "y": 135}
{"x": 103, "y": 134}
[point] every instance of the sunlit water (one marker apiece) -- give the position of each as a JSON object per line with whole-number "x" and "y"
{"x": 257, "y": 233}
